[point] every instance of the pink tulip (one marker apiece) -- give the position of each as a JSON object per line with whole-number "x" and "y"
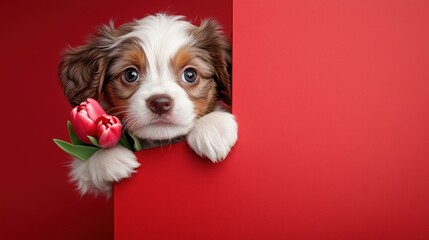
{"x": 109, "y": 131}
{"x": 84, "y": 118}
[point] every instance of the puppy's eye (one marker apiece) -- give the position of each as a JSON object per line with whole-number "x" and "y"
{"x": 189, "y": 75}
{"x": 131, "y": 75}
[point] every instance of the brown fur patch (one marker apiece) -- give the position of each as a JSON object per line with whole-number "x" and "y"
{"x": 211, "y": 40}
{"x": 202, "y": 92}
{"x": 128, "y": 54}
{"x": 82, "y": 70}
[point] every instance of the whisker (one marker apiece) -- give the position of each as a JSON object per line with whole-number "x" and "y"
{"x": 115, "y": 108}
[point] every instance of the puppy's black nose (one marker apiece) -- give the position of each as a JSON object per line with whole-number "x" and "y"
{"x": 160, "y": 103}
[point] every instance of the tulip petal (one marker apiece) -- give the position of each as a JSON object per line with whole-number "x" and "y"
{"x": 111, "y": 137}
{"x": 107, "y": 140}
{"x": 73, "y": 112}
{"x": 100, "y": 128}
{"x": 109, "y": 131}
{"x": 83, "y": 127}
{"x": 94, "y": 109}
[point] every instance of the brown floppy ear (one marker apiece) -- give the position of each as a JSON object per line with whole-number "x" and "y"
{"x": 82, "y": 70}
{"x": 210, "y": 38}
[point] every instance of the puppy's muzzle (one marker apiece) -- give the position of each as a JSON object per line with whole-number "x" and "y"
{"x": 160, "y": 104}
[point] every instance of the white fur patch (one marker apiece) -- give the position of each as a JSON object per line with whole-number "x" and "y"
{"x": 161, "y": 36}
{"x": 214, "y": 135}
{"x": 147, "y": 125}
{"x": 103, "y": 168}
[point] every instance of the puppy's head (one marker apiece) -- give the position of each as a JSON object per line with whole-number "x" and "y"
{"x": 158, "y": 74}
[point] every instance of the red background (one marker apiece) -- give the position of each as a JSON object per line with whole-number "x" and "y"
{"x": 332, "y": 103}
{"x": 36, "y": 201}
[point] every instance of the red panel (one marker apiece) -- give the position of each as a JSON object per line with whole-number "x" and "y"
{"x": 36, "y": 199}
{"x": 333, "y": 109}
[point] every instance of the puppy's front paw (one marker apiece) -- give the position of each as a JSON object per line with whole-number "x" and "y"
{"x": 214, "y": 135}
{"x": 103, "y": 168}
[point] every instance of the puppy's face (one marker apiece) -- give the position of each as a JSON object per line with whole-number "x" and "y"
{"x": 157, "y": 74}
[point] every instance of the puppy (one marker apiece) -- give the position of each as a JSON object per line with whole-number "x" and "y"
{"x": 164, "y": 78}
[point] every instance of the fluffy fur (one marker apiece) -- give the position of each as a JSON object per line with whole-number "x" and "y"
{"x": 104, "y": 167}
{"x": 185, "y": 68}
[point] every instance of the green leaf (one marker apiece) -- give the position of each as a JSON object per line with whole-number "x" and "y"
{"x": 137, "y": 143}
{"x": 79, "y": 151}
{"x": 124, "y": 141}
{"x": 93, "y": 140}
{"x": 72, "y": 134}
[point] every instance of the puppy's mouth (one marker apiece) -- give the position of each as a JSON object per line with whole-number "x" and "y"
{"x": 162, "y": 121}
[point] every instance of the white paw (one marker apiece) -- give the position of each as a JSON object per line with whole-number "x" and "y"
{"x": 214, "y": 135}
{"x": 103, "y": 168}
